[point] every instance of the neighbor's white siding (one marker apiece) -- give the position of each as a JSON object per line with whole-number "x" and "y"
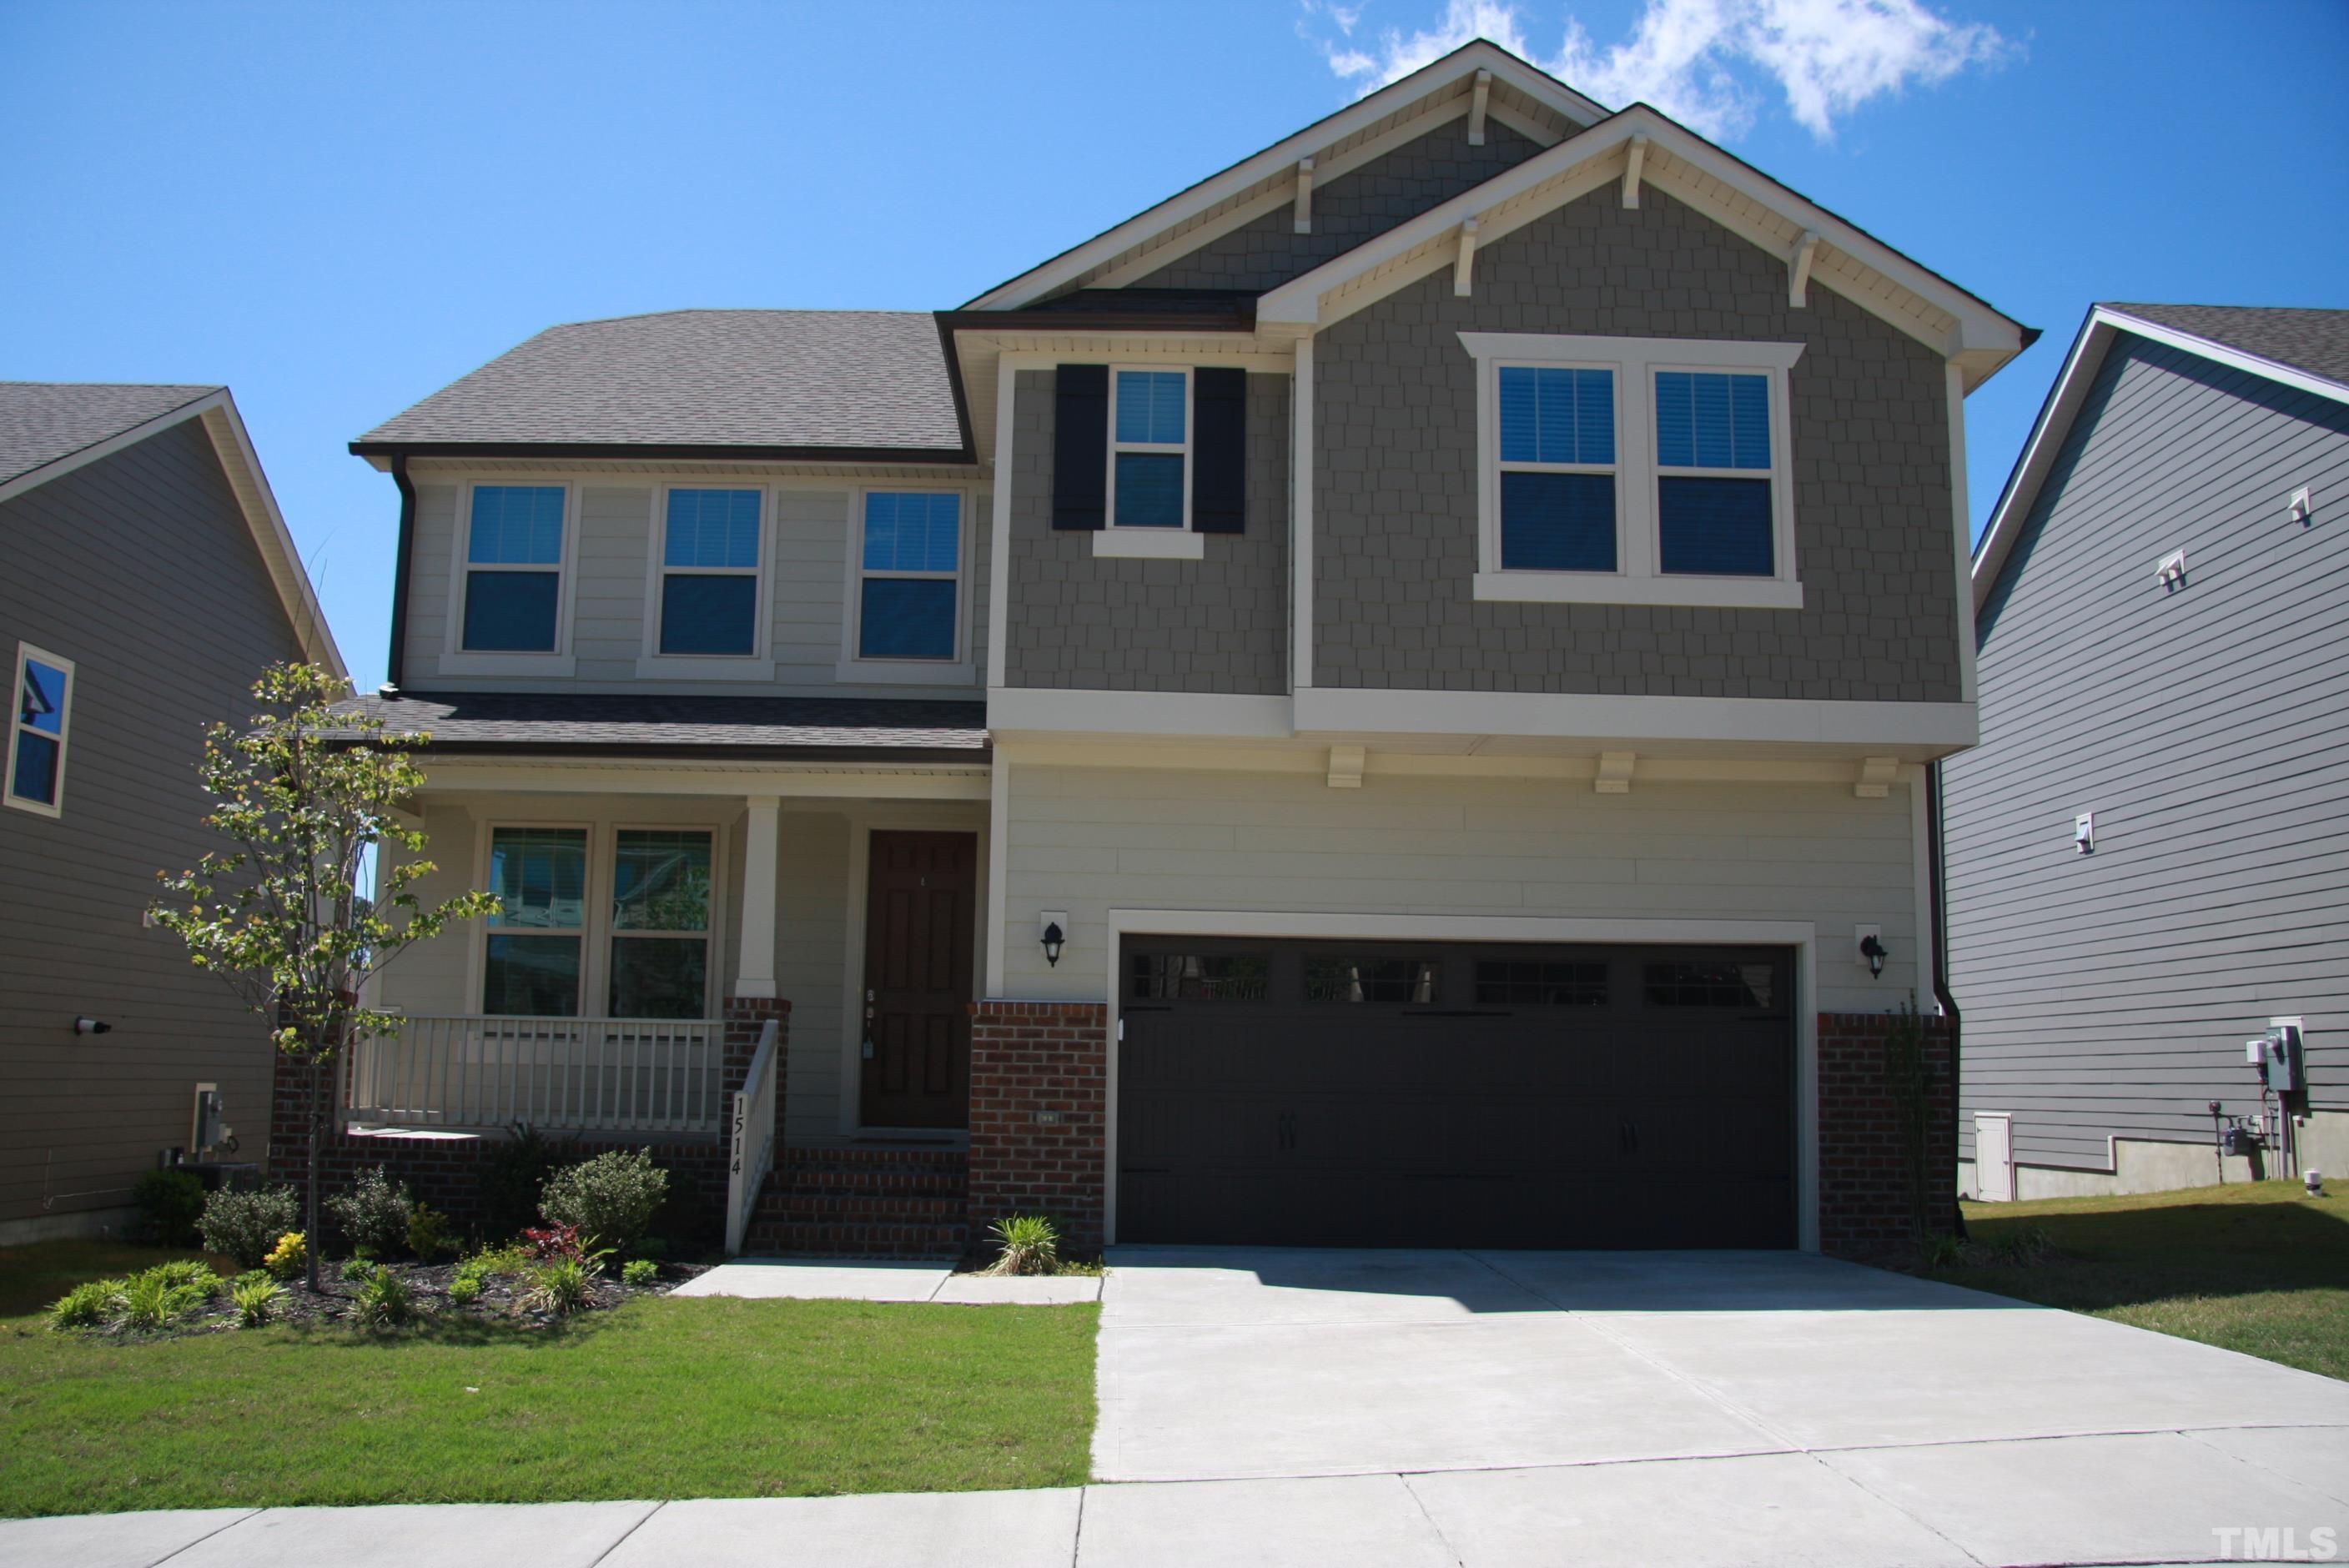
{"x": 1088, "y": 840}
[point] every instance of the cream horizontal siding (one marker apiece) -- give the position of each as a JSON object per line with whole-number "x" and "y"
{"x": 430, "y": 591}
{"x": 812, "y": 953}
{"x": 609, "y": 601}
{"x": 812, "y": 534}
{"x": 1088, "y": 840}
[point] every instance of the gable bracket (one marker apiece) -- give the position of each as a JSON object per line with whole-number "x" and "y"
{"x": 1798, "y": 269}
{"x": 1476, "y": 109}
{"x": 1305, "y": 195}
{"x": 1876, "y": 775}
{"x": 1346, "y": 766}
{"x": 1614, "y": 773}
{"x": 1632, "y": 160}
{"x": 1461, "y": 271}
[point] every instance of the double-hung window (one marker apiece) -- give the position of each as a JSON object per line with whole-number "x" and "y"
{"x": 660, "y": 923}
{"x": 37, "y": 733}
{"x": 710, "y": 545}
{"x": 512, "y": 589}
{"x": 1149, "y": 449}
{"x": 908, "y": 583}
{"x": 1634, "y": 470}
{"x": 538, "y": 938}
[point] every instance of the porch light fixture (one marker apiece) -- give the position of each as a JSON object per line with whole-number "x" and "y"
{"x": 1872, "y": 947}
{"x": 1052, "y": 940}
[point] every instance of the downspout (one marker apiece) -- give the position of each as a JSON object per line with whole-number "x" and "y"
{"x": 1937, "y": 872}
{"x": 391, "y": 664}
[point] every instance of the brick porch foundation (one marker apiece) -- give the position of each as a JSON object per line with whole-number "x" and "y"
{"x": 1039, "y": 1116}
{"x": 1864, "y": 1200}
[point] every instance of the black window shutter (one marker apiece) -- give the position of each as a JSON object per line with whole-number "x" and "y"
{"x": 1220, "y": 460}
{"x": 1079, "y": 446}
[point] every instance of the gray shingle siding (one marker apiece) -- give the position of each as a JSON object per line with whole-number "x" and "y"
{"x": 2109, "y": 995}
{"x": 1394, "y": 522}
{"x": 149, "y": 580}
{"x": 1214, "y": 625}
{"x": 1357, "y": 206}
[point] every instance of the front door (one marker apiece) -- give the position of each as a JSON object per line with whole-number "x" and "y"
{"x": 920, "y": 903}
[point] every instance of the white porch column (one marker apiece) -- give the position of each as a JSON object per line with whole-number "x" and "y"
{"x": 755, "y": 974}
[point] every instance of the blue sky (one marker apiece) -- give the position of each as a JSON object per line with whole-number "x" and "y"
{"x": 337, "y": 210}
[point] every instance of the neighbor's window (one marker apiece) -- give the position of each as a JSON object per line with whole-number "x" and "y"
{"x": 1370, "y": 979}
{"x": 1149, "y": 449}
{"x": 1557, "y": 468}
{"x": 709, "y": 572}
{"x": 36, "y": 741}
{"x": 1202, "y": 978}
{"x": 660, "y": 924}
{"x": 910, "y": 591}
{"x": 1712, "y": 474}
{"x": 514, "y": 569}
{"x": 537, "y": 938}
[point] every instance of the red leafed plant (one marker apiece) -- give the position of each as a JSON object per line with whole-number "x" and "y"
{"x": 556, "y": 1241}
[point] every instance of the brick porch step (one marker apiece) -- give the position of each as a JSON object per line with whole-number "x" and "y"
{"x": 855, "y": 1239}
{"x": 901, "y": 1201}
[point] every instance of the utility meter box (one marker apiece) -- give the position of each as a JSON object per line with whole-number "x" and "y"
{"x": 2276, "y": 1055}
{"x": 206, "y": 1131}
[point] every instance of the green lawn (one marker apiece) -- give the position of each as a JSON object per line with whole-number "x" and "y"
{"x": 664, "y": 1397}
{"x": 2258, "y": 1267}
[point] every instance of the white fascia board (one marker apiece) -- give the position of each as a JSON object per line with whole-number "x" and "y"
{"x": 1032, "y": 710}
{"x": 522, "y": 775}
{"x": 1461, "y": 64}
{"x": 1917, "y": 729}
{"x": 1298, "y": 301}
{"x": 2070, "y": 392}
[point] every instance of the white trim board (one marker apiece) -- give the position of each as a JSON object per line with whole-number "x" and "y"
{"x": 2069, "y": 392}
{"x": 1802, "y": 936}
{"x": 1922, "y": 729}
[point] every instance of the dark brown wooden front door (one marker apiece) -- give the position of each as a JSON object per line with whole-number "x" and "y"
{"x": 920, "y": 902}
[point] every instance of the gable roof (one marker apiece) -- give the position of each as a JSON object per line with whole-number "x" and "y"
{"x": 2301, "y": 348}
{"x": 831, "y": 383}
{"x": 50, "y": 428}
{"x": 1515, "y": 90}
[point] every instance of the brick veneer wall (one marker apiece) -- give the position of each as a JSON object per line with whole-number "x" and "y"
{"x": 1863, "y": 1179}
{"x": 1032, "y": 1057}
{"x": 446, "y": 1172}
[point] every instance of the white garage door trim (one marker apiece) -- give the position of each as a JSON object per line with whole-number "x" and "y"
{"x": 1802, "y": 936}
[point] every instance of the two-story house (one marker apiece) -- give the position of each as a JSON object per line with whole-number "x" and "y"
{"x": 1382, "y": 700}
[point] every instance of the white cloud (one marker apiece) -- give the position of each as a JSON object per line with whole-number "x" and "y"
{"x": 1701, "y": 61}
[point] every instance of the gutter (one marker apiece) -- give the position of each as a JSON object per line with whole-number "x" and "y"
{"x": 1937, "y": 872}
{"x": 391, "y": 664}
{"x": 654, "y": 451}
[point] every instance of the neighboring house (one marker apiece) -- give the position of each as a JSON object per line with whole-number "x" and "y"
{"x": 150, "y": 580}
{"x": 1376, "y": 701}
{"x": 2163, "y": 599}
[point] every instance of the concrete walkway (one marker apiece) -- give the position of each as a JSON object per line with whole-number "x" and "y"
{"x": 798, "y": 1279}
{"x": 1455, "y": 1408}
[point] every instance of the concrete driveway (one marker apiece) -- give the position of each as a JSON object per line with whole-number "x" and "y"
{"x": 1732, "y": 1406}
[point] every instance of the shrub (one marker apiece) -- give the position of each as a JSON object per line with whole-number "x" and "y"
{"x": 195, "y": 1275}
{"x": 507, "y": 1259}
{"x": 429, "y": 1233}
{"x": 2024, "y": 1245}
{"x": 290, "y": 1259}
{"x": 170, "y": 1202}
{"x": 257, "y": 1299}
{"x": 384, "y": 1301}
{"x": 245, "y": 1225}
{"x": 560, "y": 1288}
{"x": 464, "y": 1289}
{"x": 1030, "y": 1243}
{"x": 556, "y": 1241}
{"x": 611, "y": 1199}
{"x": 151, "y": 1300}
{"x": 1941, "y": 1250}
{"x": 358, "y": 1271}
{"x": 515, "y": 1170}
{"x": 640, "y": 1270}
{"x": 374, "y": 1213}
{"x": 87, "y": 1305}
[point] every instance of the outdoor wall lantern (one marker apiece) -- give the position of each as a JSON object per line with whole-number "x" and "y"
{"x": 92, "y": 1026}
{"x": 1052, "y": 938}
{"x": 1872, "y": 947}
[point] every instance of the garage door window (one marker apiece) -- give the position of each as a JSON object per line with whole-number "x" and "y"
{"x": 1508, "y": 983}
{"x": 1202, "y": 978}
{"x": 1370, "y": 979}
{"x": 1723, "y": 984}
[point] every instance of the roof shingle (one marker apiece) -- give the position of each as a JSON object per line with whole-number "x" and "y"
{"x": 42, "y": 421}
{"x": 875, "y": 727}
{"x": 2316, "y": 341}
{"x": 854, "y": 380}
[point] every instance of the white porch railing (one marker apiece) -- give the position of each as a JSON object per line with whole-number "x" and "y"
{"x": 602, "y": 1075}
{"x": 751, "y": 1131}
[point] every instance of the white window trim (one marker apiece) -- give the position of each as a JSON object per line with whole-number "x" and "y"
{"x": 26, "y": 652}
{"x": 456, "y": 659}
{"x": 1184, "y": 448}
{"x": 1637, "y": 579}
{"x": 595, "y": 929}
{"x": 758, "y": 664}
{"x": 853, "y": 669}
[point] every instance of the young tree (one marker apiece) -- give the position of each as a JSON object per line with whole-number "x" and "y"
{"x": 307, "y": 792}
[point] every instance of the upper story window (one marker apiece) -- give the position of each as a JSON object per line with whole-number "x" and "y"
{"x": 907, "y": 599}
{"x": 1634, "y": 470}
{"x": 1149, "y": 449}
{"x": 513, "y": 570}
{"x": 37, "y": 736}
{"x": 709, "y": 574}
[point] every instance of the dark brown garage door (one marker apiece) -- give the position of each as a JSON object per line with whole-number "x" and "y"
{"x": 1335, "y": 1094}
